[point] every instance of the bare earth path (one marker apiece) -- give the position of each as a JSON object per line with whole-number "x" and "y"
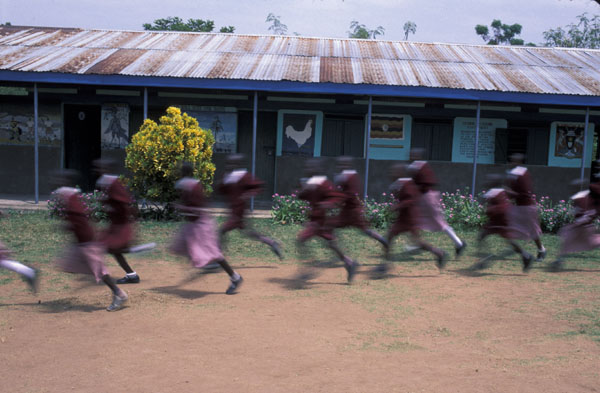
{"x": 417, "y": 331}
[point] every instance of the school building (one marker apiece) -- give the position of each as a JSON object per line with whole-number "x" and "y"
{"x": 69, "y": 96}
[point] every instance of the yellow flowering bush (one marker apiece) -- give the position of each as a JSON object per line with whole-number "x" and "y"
{"x": 157, "y": 150}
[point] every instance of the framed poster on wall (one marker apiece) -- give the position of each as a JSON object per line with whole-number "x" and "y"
{"x": 221, "y": 121}
{"x": 299, "y": 133}
{"x": 566, "y": 144}
{"x": 390, "y": 137}
{"x": 114, "y": 124}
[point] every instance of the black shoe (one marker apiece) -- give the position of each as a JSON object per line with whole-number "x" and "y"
{"x": 527, "y": 262}
{"x": 441, "y": 260}
{"x": 541, "y": 255}
{"x": 33, "y": 282}
{"x": 351, "y": 269}
{"x": 483, "y": 264}
{"x": 277, "y": 250}
{"x": 380, "y": 271}
{"x": 461, "y": 249}
{"x": 234, "y": 286}
{"x": 555, "y": 267}
{"x": 129, "y": 280}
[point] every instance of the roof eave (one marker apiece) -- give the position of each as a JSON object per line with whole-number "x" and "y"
{"x": 301, "y": 87}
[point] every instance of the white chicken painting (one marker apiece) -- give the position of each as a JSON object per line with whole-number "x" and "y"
{"x": 300, "y": 137}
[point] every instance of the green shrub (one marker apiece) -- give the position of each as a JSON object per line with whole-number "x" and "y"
{"x": 157, "y": 150}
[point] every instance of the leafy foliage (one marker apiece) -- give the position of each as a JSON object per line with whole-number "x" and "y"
{"x": 583, "y": 34}
{"x": 276, "y": 26}
{"x": 358, "y": 30}
{"x": 175, "y": 23}
{"x": 157, "y": 150}
{"x": 289, "y": 209}
{"x": 502, "y": 34}
{"x": 409, "y": 27}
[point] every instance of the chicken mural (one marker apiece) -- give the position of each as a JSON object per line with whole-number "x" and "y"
{"x": 299, "y": 140}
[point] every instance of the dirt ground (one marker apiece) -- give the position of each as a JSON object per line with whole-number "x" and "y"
{"x": 416, "y": 331}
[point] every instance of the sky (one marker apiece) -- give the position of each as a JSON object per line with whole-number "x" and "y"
{"x": 437, "y": 21}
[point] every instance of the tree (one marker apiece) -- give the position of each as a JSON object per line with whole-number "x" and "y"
{"x": 175, "y": 23}
{"x": 157, "y": 150}
{"x": 409, "y": 27}
{"x": 583, "y": 34}
{"x": 6, "y": 24}
{"x": 501, "y": 33}
{"x": 358, "y": 30}
{"x": 227, "y": 29}
{"x": 276, "y": 27}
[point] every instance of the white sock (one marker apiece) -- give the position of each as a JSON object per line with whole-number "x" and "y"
{"x": 235, "y": 276}
{"x": 133, "y": 274}
{"x": 542, "y": 249}
{"x": 18, "y": 267}
{"x": 450, "y": 232}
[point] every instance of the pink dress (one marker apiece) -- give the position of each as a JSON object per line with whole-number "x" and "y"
{"x": 523, "y": 216}
{"x": 197, "y": 239}
{"x": 85, "y": 256}
{"x": 581, "y": 234}
{"x": 429, "y": 209}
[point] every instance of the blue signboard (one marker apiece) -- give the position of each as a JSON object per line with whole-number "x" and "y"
{"x": 463, "y": 141}
{"x": 390, "y": 137}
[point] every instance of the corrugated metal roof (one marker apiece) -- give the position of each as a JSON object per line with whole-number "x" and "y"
{"x": 301, "y": 59}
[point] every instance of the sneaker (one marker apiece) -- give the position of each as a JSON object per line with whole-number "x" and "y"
{"x": 527, "y": 262}
{"x": 212, "y": 265}
{"x": 117, "y": 302}
{"x": 441, "y": 260}
{"x": 234, "y": 285}
{"x": 540, "y": 255}
{"x": 129, "y": 280}
{"x": 351, "y": 269}
{"x": 461, "y": 249}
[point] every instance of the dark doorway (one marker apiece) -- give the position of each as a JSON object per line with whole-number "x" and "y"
{"x": 434, "y": 137}
{"x": 532, "y": 141}
{"x": 82, "y": 141}
{"x": 343, "y": 137}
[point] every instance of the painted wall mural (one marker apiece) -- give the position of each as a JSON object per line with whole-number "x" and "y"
{"x": 222, "y": 123}
{"x": 566, "y": 144}
{"x": 114, "y": 124}
{"x": 17, "y": 125}
{"x": 390, "y": 137}
{"x": 299, "y": 133}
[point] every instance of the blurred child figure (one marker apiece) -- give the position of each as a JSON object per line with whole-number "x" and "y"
{"x": 406, "y": 208}
{"x": 580, "y": 235}
{"x": 197, "y": 239}
{"x": 498, "y": 223}
{"x": 239, "y": 186}
{"x": 430, "y": 217}
{"x": 321, "y": 196}
{"x": 118, "y": 236}
{"x": 523, "y": 215}
{"x": 352, "y": 212}
{"x": 85, "y": 255}
{"x": 30, "y": 275}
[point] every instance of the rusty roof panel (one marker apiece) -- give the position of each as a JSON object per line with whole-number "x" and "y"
{"x": 303, "y": 59}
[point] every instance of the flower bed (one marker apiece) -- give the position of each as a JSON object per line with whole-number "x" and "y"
{"x": 459, "y": 208}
